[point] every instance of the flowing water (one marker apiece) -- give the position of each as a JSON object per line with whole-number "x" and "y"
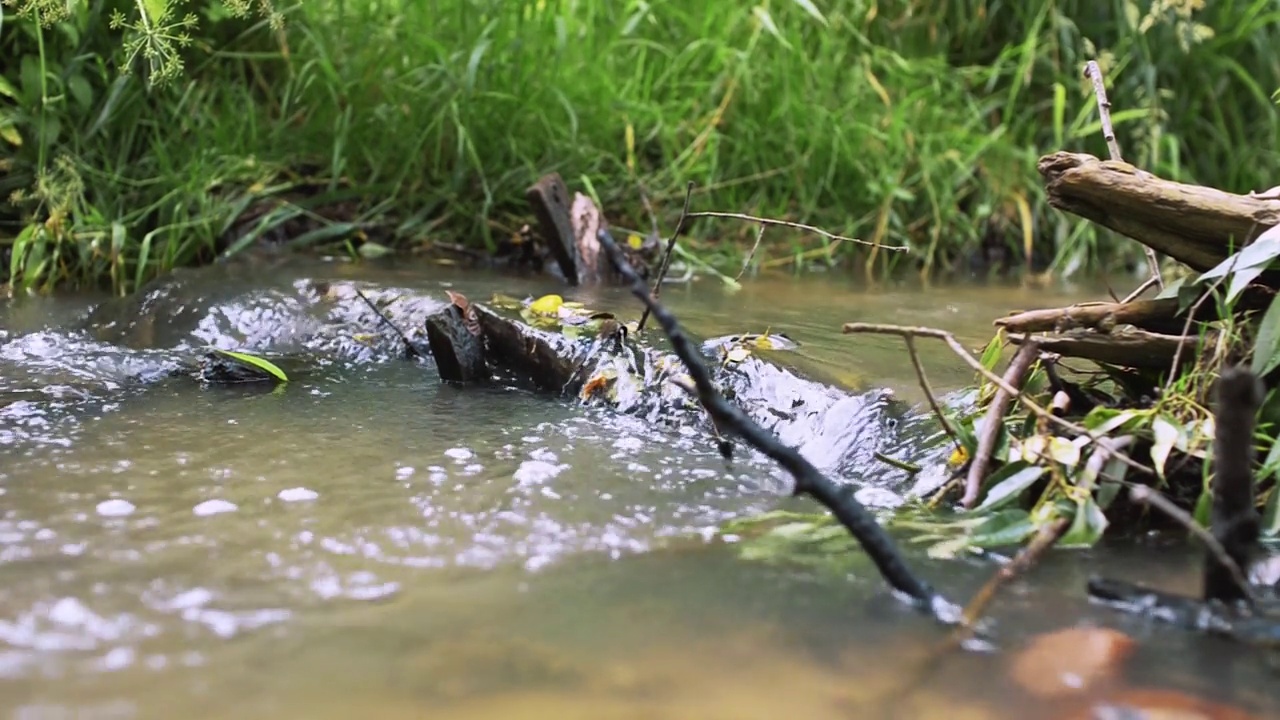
{"x": 367, "y": 542}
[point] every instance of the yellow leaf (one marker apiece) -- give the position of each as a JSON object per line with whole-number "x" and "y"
{"x": 958, "y": 457}
{"x": 635, "y": 241}
{"x": 737, "y": 354}
{"x": 546, "y": 305}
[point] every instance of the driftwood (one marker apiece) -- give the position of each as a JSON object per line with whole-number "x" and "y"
{"x": 1128, "y": 347}
{"x": 1192, "y": 224}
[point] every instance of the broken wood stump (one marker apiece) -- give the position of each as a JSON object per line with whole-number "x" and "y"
{"x": 458, "y": 350}
{"x": 1195, "y": 225}
{"x": 570, "y": 228}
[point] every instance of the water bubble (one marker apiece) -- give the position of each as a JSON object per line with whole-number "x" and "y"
{"x": 459, "y": 453}
{"x": 115, "y": 508}
{"x": 213, "y": 507}
{"x": 298, "y": 494}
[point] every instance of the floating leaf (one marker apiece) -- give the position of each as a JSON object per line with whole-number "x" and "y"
{"x": 504, "y": 302}
{"x": 1166, "y": 435}
{"x": 1009, "y": 482}
{"x": 254, "y": 361}
{"x": 547, "y": 305}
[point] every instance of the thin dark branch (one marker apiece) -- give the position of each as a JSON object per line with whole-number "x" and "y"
{"x": 928, "y": 390}
{"x": 751, "y": 255}
{"x": 666, "y": 256}
{"x": 809, "y": 481}
{"x": 795, "y": 226}
{"x": 413, "y": 350}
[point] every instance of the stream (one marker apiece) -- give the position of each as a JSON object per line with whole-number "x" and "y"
{"x": 365, "y": 541}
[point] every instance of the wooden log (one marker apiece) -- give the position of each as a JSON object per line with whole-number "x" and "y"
{"x": 1192, "y": 224}
{"x": 549, "y": 360}
{"x": 457, "y": 349}
{"x": 1126, "y": 347}
{"x": 1156, "y": 315}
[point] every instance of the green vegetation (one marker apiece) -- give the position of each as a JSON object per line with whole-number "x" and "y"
{"x": 350, "y": 124}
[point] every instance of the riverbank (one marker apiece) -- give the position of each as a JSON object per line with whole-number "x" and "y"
{"x": 359, "y": 128}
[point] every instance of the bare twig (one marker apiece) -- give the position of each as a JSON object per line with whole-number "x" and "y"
{"x": 958, "y": 349}
{"x": 751, "y": 255}
{"x": 1192, "y": 312}
{"x": 666, "y": 256}
{"x": 1045, "y": 538}
{"x": 928, "y": 390}
{"x": 794, "y": 226}
{"x": 1014, "y": 376}
{"x": 1094, "y": 73}
{"x": 1148, "y": 496}
{"x": 837, "y": 498}
{"x": 413, "y": 350}
{"x": 1154, "y": 279}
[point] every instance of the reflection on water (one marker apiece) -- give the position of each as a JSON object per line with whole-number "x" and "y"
{"x": 367, "y": 542}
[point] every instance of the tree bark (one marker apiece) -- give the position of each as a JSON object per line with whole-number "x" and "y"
{"x": 1195, "y": 225}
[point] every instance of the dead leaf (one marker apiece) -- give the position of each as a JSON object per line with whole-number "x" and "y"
{"x": 1071, "y": 660}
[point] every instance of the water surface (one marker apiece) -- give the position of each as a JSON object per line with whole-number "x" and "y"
{"x": 367, "y": 542}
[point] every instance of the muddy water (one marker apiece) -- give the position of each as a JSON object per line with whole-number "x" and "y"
{"x": 366, "y": 542}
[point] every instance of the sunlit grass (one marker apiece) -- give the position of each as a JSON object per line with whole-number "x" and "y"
{"x": 905, "y": 123}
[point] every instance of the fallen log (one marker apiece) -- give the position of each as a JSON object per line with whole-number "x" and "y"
{"x": 1126, "y": 346}
{"x": 838, "y": 431}
{"x": 1195, "y": 225}
{"x": 1161, "y": 315}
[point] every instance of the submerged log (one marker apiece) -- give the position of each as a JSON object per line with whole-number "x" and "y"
{"x": 1192, "y": 224}
{"x": 457, "y": 348}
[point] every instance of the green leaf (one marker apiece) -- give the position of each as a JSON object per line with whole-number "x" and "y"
{"x": 254, "y": 361}
{"x": 993, "y": 351}
{"x": 1009, "y": 482}
{"x": 1271, "y": 515}
{"x": 7, "y": 89}
{"x": 1203, "y": 507}
{"x": 1102, "y": 420}
{"x": 1266, "y": 349}
{"x": 1087, "y": 526}
{"x": 1007, "y": 527}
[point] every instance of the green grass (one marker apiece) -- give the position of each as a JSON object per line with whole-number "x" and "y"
{"x": 411, "y": 122}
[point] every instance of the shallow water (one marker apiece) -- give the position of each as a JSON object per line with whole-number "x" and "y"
{"x": 366, "y": 541}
